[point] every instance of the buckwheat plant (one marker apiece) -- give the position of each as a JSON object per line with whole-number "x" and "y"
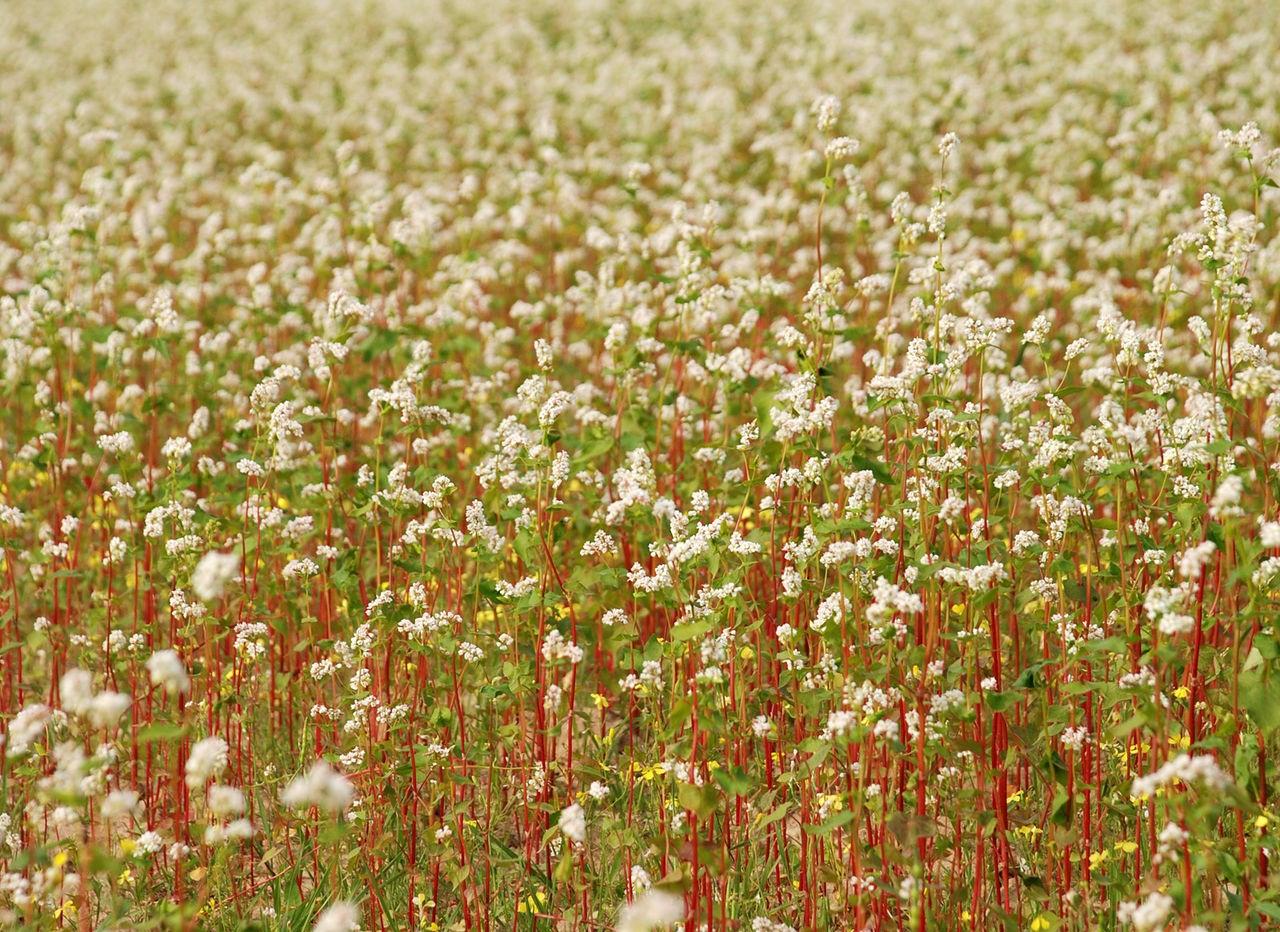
{"x": 577, "y": 465}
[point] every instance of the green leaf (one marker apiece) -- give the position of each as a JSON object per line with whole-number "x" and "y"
{"x": 1064, "y": 809}
{"x": 831, "y": 823}
{"x": 1056, "y": 767}
{"x": 1270, "y": 910}
{"x": 698, "y": 799}
{"x": 690, "y": 630}
{"x": 1132, "y": 723}
{"x": 160, "y": 731}
{"x": 1002, "y": 702}
{"x": 1267, "y": 646}
{"x": 778, "y": 812}
{"x": 732, "y": 780}
{"x": 1030, "y": 678}
{"x": 1258, "y": 691}
{"x": 564, "y": 869}
{"x": 490, "y": 592}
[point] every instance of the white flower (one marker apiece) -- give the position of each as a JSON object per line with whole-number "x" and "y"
{"x": 27, "y": 726}
{"x": 841, "y": 148}
{"x": 322, "y": 787}
{"x": 120, "y": 442}
{"x": 1194, "y": 559}
{"x": 340, "y": 917}
{"x": 1269, "y": 533}
{"x": 148, "y": 843}
{"x": 653, "y": 909}
{"x": 1148, "y": 916}
{"x": 167, "y": 671}
{"x": 208, "y": 758}
{"x": 212, "y": 574}
{"x": 76, "y": 690}
{"x": 1075, "y": 737}
{"x": 827, "y": 111}
{"x": 225, "y": 801}
{"x": 235, "y": 830}
{"x": 107, "y": 707}
{"x": 1185, "y": 768}
{"x": 120, "y": 804}
{"x": 573, "y": 823}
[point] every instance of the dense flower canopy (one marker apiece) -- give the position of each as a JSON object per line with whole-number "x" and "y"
{"x": 562, "y": 464}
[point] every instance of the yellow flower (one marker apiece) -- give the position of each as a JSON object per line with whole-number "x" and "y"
{"x": 646, "y": 773}
{"x": 532, "y": 903}
{"x": 1040, "y": 923}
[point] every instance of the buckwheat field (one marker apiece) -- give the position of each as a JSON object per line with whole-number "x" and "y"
{"x": 583, "y": 466}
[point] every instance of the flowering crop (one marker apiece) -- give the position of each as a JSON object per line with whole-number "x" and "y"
{"x": 567, "y": 465}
